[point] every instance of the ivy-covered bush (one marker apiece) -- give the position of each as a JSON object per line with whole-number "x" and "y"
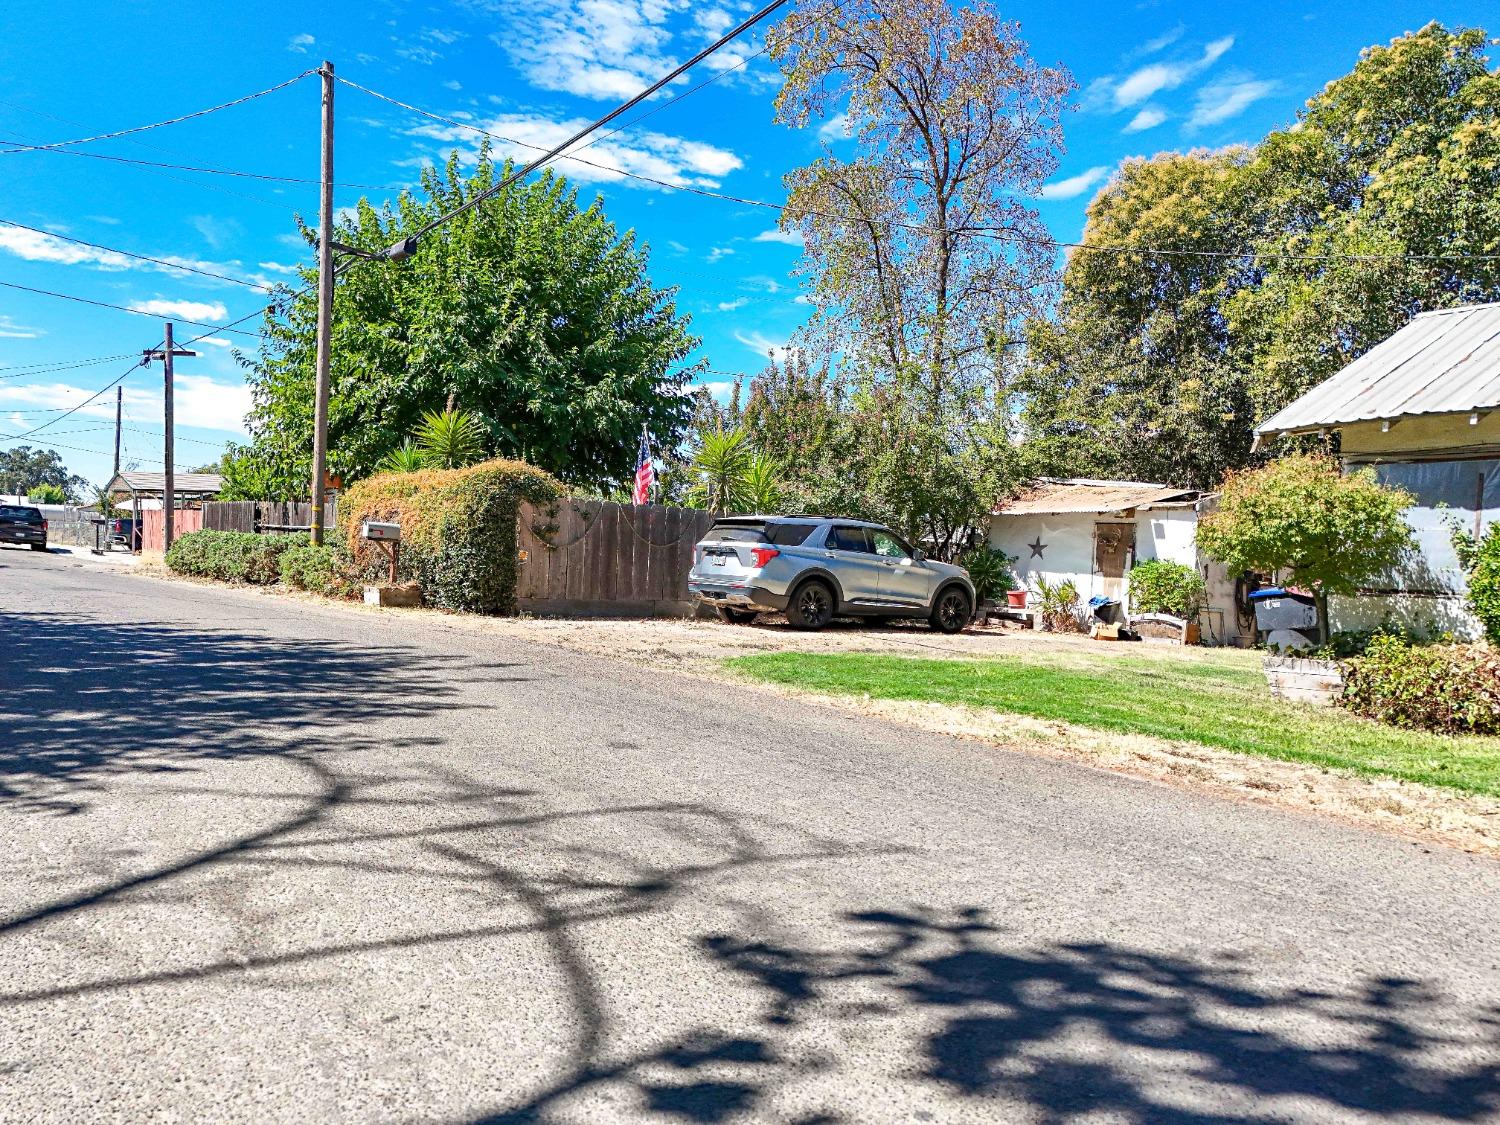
{"x": 231, "y": 556}
{"x": 1159, "y": 586}
{"x": 1454, "y": 689}
{"x": 325, "y": 570}
{"x": 458, "y": 529}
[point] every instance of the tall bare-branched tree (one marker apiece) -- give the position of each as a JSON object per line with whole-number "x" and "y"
{"x": 923, "y": 252}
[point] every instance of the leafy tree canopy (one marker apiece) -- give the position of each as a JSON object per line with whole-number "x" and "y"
{"x": 1157, "y": 365}
{"x": 527, "y": 311}
{"x": 24, "y": 469}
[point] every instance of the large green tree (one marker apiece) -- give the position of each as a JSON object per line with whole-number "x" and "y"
{"x": 24, "y": 469}
{"x": 527, "y": 310}
{"x": 1214, "y": 287}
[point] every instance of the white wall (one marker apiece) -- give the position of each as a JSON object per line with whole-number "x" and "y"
{"x": 1160, "y": 533}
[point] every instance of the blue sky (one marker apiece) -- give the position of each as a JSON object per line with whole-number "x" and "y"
{"x": 1151, "y": 77}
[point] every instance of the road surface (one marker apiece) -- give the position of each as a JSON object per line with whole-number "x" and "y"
{"x": 270, "y": 860}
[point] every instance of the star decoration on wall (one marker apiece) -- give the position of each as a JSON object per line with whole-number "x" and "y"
{"x": 1037, "y": 548}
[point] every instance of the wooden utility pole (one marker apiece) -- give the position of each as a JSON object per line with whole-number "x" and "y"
{"x": 169, "y": 485}
{"x": 325, "y": 308}
{"x": 119, "y": 398}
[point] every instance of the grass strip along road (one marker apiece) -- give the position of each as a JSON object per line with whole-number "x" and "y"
{"x": 1210, "y": 702}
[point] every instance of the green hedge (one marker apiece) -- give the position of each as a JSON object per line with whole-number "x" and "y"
{"x": 458, "y": 529}
{"x": 232, "y": 556}
{"x": 326, "y": 570}
{"x": 1451, "y": 688}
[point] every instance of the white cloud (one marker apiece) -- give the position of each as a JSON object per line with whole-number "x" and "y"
{"x": 216, "y": 341}
{"x": 216, "y": 231}
{"x": 197, "y": 400}
{"x": 803, "y": 299}
{"x": 737, "y": 303}
{"x": 10, "y": 330}
{"x": 660, "y": 156}
{"x": 609, "y": 49}
{"x": 34, "y": 247}
{"x": 790, "y": 237}
{"x": 762, "y": 282}
{"x": 300, "y": 44}
{"x": 1075, "y": 186}
{"x": 1147, "y": 81}
{"x": 453, "y": 84}
{"x": 278, "y": 267}
{"x": 720, "y": 389}
{"x": 1161, "y": 42}
{"x": 187, "y": 310}
{"x": 1229, "y": 97}
{"x": 717, "y": 253}
{"x": 1148, "y": 118}
{"x": 761, "y": 344}
{"x": 836, "y": 128}
{"x": 677, "y": 246}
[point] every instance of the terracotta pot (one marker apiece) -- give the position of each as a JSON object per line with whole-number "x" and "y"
{"x": 1016, "y": 599}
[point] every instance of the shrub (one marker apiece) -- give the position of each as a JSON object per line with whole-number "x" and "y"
{"x": 326, "y": 570}
{"x": 990, "y": 572}
{"x": 1482, "y": 560}
{"x": 1454, "y": 689}
{"x": 1059, "y": 606}
{"x": 231, "y": 556}
{"x": 1159, "y": 586}
{"x": 458, "y": 529}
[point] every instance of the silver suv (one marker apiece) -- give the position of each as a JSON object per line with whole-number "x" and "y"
{"x": 813, "y": 569}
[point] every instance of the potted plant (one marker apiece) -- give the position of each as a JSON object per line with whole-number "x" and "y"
{"x": 990, "y": 572}
{"x": 1168, "y": 593}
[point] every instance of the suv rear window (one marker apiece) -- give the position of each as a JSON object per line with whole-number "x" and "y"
{"x": 11, "y": 512}
{"x": 789, "y": 534}
{"x": 737, "y": 532}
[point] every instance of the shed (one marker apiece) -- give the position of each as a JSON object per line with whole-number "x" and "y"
{"x": 1422, "y": 408}
{"x": 146, "y": 493}
{"x": 1092, "y": 532}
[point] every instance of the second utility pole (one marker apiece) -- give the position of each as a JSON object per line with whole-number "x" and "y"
{"x": 119, "y": 396}
{"x": 325, "y": 309}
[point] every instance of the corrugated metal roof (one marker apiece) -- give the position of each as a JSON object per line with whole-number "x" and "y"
{"x": 1443, "y": 362}
{"x": 1049, "y": 496}
{"x": 204, "y": 483}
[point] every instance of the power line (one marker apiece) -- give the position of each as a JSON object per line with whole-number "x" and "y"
{"x": 222, "y": 171}
{"x": 73, "y": 410}
{"x": 140, "y": 257}
{"x": 38, "y": 371}
{"x": 159, "y": 124}
{"x": 135, "y": 312}
{"x": 1001, "y": 234}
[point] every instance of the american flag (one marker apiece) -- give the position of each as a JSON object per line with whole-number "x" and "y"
{"x": 645, "y": 472}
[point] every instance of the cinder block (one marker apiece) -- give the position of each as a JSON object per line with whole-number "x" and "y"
{"x": 407, "y": 594}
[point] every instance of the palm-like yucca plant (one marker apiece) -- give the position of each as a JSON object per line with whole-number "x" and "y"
{"x": 760, "y": 484}
{"x": 405, "y": 458}
{"x": 719, "y": 469}
{"x": 450, "y": 439}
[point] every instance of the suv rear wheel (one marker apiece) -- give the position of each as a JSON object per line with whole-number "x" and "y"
{"x": 811, "y": 605}
{"x": 735, "y": 616}
{"x": 952, "y": 610}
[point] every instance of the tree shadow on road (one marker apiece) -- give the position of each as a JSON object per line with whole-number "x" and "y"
{"x": 82, "y": 701}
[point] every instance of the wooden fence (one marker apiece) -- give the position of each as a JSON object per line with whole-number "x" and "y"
{"x": 257, "y": 515}
{"x": 153, "y": 526}
{"x": 595, "y": 558}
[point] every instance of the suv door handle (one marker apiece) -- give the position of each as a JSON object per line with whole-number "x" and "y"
{"x": 830, "y": 555}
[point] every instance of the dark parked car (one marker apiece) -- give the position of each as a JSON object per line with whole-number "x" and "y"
{"x": 20, "y": 524}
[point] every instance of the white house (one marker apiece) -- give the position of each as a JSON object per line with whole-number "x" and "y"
{"x": 1423, "y": 409}
{"x": 1091, "y": 532}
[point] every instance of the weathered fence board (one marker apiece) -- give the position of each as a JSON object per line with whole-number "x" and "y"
{"x": 154, "y": 531}
{"x": 596, "y": 558}
{"x": 255, "y": 515}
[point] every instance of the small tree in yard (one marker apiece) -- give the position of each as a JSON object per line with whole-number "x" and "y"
{"x": 1301, "y": 518}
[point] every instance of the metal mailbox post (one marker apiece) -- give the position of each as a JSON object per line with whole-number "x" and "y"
{"x": 388, "y": 535}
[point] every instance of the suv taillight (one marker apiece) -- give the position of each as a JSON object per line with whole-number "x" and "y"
{"x": 44, "y": 525}
{"x": 759, "y": 556}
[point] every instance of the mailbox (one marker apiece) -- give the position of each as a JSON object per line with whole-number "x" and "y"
{"x": 384, "y": 532}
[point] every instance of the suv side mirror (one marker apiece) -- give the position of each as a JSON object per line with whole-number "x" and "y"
{"x": 917, "y": 555}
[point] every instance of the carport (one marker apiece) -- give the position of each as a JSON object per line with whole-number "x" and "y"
{"x": 148, "y": 487}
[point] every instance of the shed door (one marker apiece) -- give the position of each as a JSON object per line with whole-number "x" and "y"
{"x": 1114, "y": 546}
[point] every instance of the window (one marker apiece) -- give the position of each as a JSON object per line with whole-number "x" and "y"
{"x": 788, "y": 534}
{"x": 737, "y": 532}
{"x": 10, "y": 512}
{"x": 849, "y": 539}
{"x": 889, "y": 546}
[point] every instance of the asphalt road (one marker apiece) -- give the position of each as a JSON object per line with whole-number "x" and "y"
{"x": 265, "y": 860}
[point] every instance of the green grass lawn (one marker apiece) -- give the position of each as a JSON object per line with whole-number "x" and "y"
{"x": 1217, "y": 699}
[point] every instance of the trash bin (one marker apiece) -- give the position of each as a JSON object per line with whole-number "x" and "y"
{"x": 1288, "y": 620}
{"x": 1106, "y": 610}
